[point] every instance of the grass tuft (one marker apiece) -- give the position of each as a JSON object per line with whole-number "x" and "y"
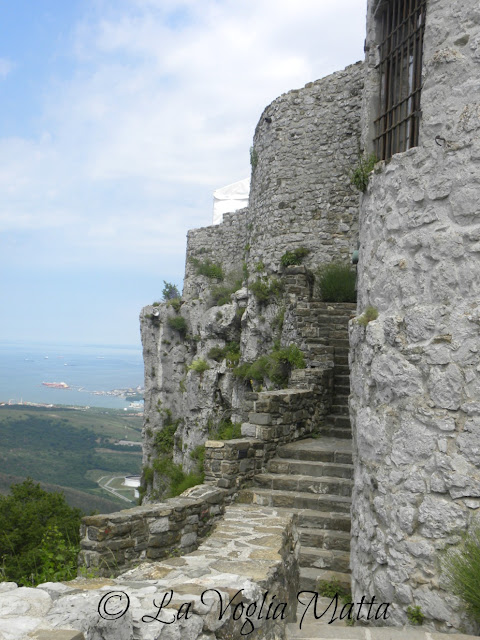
{"x": 462, "y": 571}
{"x": 336, "y": 283}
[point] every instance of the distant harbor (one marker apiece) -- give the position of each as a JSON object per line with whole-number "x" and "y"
{"x": 72, "y": 375}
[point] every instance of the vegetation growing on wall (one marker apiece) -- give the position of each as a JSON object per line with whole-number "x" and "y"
{"x": 221, "y": 294}
{"x": 175, "y": 477}
{"x": 199, "y": 366}
{"x": 230, "y": 352}
{"x": 361, "y": 174}
{"x": 208, "y": 268}
{"x": 336, "y": 282}
{"x": 462, "y": 571}
{"x": 265, "y": 289}
{"x": 370, "y": 313}
{"x": 224, "y": 430}
{"x": 175, "y": 303}
{"x": 275, "y": 366}
{"x": 294, "y": 257}
{"x": 164, "y": 439}
{"x": 178, "y": 323}
{"x": 170, "y": 476}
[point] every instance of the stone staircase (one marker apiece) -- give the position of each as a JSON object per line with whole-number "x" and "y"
{"x": 314, "y": 477}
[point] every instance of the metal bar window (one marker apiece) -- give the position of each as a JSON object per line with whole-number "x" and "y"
{"x": 402, "y": 27}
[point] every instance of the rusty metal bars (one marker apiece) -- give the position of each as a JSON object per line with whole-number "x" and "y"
{"x": 402, "y": 27}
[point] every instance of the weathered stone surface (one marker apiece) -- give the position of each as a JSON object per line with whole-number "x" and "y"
{"x": 416, "y": 488}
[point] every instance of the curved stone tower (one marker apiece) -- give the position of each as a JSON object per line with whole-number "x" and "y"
{"x": 415, "y": 371}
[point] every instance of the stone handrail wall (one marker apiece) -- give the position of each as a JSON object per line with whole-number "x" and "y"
{"x": 205, "y": 594}
{"x": 278, "y": 417}
{"x": 116, "y": 541}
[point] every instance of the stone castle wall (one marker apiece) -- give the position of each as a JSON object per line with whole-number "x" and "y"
{"x": 306, "y": 146}
{"x": 415, "y": 371}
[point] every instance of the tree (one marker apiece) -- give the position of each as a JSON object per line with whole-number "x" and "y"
{"x": 39, "y": 535}
{"x": 170, "y": 291}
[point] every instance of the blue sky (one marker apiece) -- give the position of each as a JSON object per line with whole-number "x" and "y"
{"x": 118, "y": 119}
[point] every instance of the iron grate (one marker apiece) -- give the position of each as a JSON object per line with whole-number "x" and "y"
{"x": 402, "y": 25}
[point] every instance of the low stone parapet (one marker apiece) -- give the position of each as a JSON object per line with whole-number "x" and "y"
{"x": 113, "y": 542}
{"x": 242, "y": 581}
{"x": 278, "y": 417}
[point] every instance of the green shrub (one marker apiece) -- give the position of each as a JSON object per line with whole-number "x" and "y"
{"x": 225, "y": 430}
{"x": 170, "y": 291}
{"x": 164, "y": 439}
{"x": 462, "y": 571}
{"x": 147, "y": 475}
{"x": 230, "y": 352}
{"x": 178, "y": 323}
{"x": 336, "y": 283}
{"x": 275, "y": 366}
{"x": 222, "y": 294}
{"x": 39, "y": 535}
{"x": 294, "y": 257}
{"x": 176, "y": 303}
{"x": 264, "y": 289}
{"x": 189, "y": 480}
{"x": 361, "y": 174}
{"x": 207, "y": 268}
{"x": 369, "y": 314}
{"x": 415, "y": 615}
{"x": 175, "y": 477}
{"x": 199, "y": 366}
{"x": 277, "y": 323}
{"x": 260, "y": 266}
{"x": 198, "y": 454}
{"x": 331, "y": 588}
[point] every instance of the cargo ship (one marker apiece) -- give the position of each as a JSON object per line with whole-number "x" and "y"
{"x": 56, "y": 385}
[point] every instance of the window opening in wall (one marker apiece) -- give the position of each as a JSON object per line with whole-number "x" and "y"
{"x": 402, "y": 24}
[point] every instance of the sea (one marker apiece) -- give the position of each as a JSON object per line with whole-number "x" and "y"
{"x": 88, "y": 370}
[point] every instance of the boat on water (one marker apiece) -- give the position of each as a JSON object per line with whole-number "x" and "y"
{"x": 56, "y": 385}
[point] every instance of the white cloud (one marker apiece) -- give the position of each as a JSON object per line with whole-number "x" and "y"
{"x": 159, "y": 110}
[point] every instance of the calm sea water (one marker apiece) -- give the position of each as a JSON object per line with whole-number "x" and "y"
{"x": 89, "y": 368}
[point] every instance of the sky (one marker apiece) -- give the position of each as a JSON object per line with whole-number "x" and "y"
{"x": 118, "y": 120}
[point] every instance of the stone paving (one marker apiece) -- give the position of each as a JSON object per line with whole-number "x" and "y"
{"x": 317, "y": 631}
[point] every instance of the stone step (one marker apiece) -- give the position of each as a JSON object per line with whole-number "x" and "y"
{"x": 340, "y": 343}
{"x": 342, "y": 389}
{"x": 340, "y": 359}
{"x": 340, "y": 398}
{"x": 310, "y": 576}
{"x": 310, "y": 518}
{"x": 339, "y": 409}
{"x": 325, "y": 539}
{"x": 304, "y": 484}
{"x": 322, "y": 449}
{"x": 336, "y": 432}
{"x": 341, "y": 378}
{"x": 335, "y": 420}
{"x": 329, "y": 559}
{"x": 323, "y": 318}
{"x": 298, "y": 500}
{"x": 310, "y": 468}
{"x": 341, "y": 370}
